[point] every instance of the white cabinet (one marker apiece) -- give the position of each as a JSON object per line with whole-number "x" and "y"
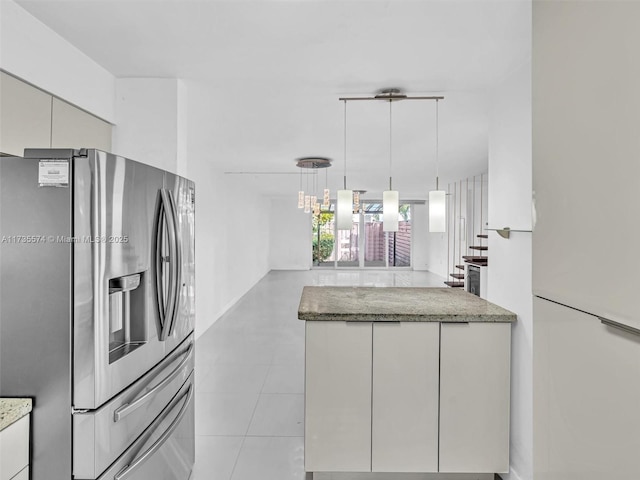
{"x": 474, "y": 397}
{"x": 405, "y": 397}
{"x": 586, "y": 168}
{"x": 338, "y": 396}
{"x": 586, "y": 397}
{"x": 31, "y": 118}
{"x": 73, "y": 128}
{"x": 23, "y": 475}
{"x": 25, "y": 116}
{"x": 14, "y": 450}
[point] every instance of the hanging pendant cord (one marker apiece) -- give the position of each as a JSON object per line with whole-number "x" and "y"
{"x": 437, "y": 148}
{"x": 390, "y": 144}
{"x": 345, "y": 145}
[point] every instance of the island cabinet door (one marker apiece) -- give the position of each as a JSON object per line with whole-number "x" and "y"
{"x": 405, "y": 397}
{"x": 474, "y": 397}
{"x": 338, "y": 396}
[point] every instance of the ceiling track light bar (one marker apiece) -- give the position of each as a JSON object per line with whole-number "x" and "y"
{"x": 389, "y": 98}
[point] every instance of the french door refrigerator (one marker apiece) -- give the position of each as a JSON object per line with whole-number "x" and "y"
{"x": 97, "y": 313}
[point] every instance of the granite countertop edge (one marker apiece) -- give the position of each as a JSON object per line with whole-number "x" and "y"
{"x": 398, "y": 304}
{"x": 13, "y": 409}
{"x": 386, "y": 317}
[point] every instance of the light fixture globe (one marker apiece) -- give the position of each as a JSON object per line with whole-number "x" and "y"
{"x": 437, "y": 197}
{"x": 344, "y": 197}
{"x": 344, "y": 210}
{"x": 390, "y": 210}
{"x": 437, "y": 211}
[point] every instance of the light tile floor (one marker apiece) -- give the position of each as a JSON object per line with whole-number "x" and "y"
{"x": 250, "y": 377}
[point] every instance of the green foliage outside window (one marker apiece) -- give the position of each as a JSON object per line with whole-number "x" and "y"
{"x": 325, "y": 239}
{"x": 326, "y": 247}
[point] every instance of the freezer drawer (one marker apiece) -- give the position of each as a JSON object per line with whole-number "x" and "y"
{"x": 166, "y": 450}
{"x": 100, "y": 436}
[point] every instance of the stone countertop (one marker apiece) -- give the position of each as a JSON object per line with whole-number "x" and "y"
{"x": 12, "y": 410}
{"x": 397, "y": 304}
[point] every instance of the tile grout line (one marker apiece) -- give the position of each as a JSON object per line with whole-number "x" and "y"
{"x": 235, "y": 463}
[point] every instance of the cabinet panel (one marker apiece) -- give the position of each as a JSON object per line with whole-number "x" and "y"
{"x": 586, "y": 397}
{"x": 25, "y": 116}
{"x": 338, "y": 396}
{"x": 474, "y": 397}
{"x": 74, "y": 128}
{"x": 23, "y": 475}
{"x": 586, "y": 172}
{"x": 405, "y": 397}
{"x": 14, "y": 448}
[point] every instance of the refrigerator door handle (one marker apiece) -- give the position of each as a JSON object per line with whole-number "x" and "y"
{"x": 177, "y": 255}
{"x": 127, "y": 408}
{"x": 166, "y": 309}
{"x": 139, "y": 461}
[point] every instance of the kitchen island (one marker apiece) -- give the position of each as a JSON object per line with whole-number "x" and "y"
{"x": 406, "y": 380}
{"x": 14, "y": 438}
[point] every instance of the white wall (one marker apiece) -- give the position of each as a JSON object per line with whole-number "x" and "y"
{"x": 165, "y": 122}
{"x": 232, "y": 223}
{"x": 232, "y": 242}
{"x": 34, "y": 53}
{"x": 151, "y": 122}
{"x": 290, "y": 235}
{"x": 509, "y": 270}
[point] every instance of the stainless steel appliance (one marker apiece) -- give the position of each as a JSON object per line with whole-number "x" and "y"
{"x": 473, "y": 279}
{"x": 97, "y": 313}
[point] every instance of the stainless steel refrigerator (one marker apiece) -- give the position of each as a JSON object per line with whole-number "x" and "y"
{"x": 97, "y": 313}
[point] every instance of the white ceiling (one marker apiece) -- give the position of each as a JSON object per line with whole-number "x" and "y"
{"x": 268, "y": 74}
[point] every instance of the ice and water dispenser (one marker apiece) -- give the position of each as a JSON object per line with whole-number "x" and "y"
{"x": 127, "y": 327}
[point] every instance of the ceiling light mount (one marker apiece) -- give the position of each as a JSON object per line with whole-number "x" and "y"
{"x": 390, "y": 95}
{"x": 313, "y": 162}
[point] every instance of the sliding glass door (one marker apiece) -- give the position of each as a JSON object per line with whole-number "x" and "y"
{"x": 366, "y": 245}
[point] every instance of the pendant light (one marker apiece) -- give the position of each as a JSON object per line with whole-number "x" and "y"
{"x": 309, "y": 201}
{"x": 344, "y": 207}
{"x": 390, "y": 198}
{"x": 307, "y": 197}
{"x": 300, "y": 193}
{"x": 437, "y": 197}
{"x": 326, "y": 197}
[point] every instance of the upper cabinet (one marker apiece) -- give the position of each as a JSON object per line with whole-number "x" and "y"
{"x": 31, "y": 118}
{"x": 25, "y": 116}
{"x": 586, "y": 156}
{"x": 73, "y": 128}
